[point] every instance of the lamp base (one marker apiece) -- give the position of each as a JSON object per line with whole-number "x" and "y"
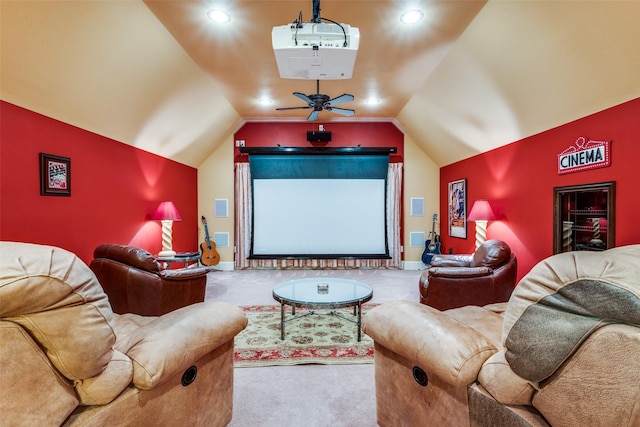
{"x": 167, "y": 247}
{"x": 481, "y": 232}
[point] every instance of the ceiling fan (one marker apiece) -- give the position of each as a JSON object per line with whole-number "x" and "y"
{"x": 319, "y": 102}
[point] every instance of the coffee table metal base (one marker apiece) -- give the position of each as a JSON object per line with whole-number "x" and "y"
{"x": 357, "y": 314}
{"x": 322, "y": 294}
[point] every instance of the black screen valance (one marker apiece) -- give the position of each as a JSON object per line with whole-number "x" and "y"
{"x": 318, "y": 150}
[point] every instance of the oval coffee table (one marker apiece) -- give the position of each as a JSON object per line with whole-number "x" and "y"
{"x": 322, "y": 293}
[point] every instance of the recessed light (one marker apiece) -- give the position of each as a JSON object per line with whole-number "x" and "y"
{"x": 219, "y": 16}
{"x": 411, "y": 16}
{"x": 372, "y": 101}
{"x": 265, "y": 101}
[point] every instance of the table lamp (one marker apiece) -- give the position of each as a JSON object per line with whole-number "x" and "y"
{"x": 481, "y": 213}
{"x": 166, "y": 213}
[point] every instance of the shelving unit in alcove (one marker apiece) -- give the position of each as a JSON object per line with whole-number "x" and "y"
{"x": 589, "y": 229}
{"x": 584, "y": 217}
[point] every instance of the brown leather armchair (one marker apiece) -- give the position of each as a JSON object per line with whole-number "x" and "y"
{"x": 484, "y": 277}
{"x": 67, "y": 360}
{"x": 135, "y": 282}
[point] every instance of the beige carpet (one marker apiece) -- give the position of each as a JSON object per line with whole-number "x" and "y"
{"x": 252, "y": 287}
{"x": 310, "y": 395}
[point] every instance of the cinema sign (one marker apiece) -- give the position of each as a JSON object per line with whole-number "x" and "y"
{"x": 584, "y": 155}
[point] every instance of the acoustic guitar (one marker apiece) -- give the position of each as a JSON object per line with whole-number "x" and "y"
{"x": 209, "y": 254}
{"x": 432, "y": 246}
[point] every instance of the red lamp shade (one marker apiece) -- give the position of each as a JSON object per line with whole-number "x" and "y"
{"x": 166, "y": 211}
{"x": 481, "y": 211}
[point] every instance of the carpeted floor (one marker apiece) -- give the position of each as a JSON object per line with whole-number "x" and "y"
{"x": 310, "y": 395}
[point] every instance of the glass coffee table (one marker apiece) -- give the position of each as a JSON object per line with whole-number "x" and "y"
{"x": 322, "y": 294}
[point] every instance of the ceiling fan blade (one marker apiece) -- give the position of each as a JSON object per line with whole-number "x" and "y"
{"x": 304, "y": 97}
{"x": 345, "y": 97}
{"x": 293, "y": 108}
{"x": 313, "y": 115}
{"x": 343, "y": 111}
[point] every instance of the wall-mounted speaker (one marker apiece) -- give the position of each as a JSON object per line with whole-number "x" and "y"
{"x": 416, "y": 239}
{"x": 221, "y": 208}
{"x": 221, "y": 239}
{"x": 318, "y": 136}
{"x": 417, "y": 206}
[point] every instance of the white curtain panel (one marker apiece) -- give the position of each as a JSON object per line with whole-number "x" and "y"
{"x": 243, "y": 215}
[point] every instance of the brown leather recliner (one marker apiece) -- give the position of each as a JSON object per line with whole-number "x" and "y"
{"x": 484, "y": 277}
{"x": 135, "y": 282}
{"x": 564, "y": 351}
{"x": 67, "y": 359}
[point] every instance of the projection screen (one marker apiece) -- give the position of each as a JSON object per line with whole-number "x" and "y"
{"x": 319, "y": 206}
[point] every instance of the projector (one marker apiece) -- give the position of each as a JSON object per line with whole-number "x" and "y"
{"x": 315, "y": 51}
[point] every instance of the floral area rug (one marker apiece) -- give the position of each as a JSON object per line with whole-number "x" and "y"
{"x": 317, "y": 338}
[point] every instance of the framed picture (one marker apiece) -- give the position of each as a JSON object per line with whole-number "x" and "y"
{"x": 457, "y": 212}
{"x": 55, "y": 175}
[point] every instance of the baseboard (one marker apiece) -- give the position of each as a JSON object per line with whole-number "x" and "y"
{"x": 413, "y": 265}
{"x": 406, "y": 265}
{"x": 224, "y": 266}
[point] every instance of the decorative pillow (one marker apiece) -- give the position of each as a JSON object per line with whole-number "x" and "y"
{"x": 562, "y": 300}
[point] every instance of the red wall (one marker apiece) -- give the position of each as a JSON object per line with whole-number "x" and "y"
{"x": 518, "y": 180}
{"x": 114, "y": 189}
{"x": 343, "y": 134}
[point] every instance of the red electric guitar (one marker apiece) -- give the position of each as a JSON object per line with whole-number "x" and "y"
{"x": 209, "y": 254}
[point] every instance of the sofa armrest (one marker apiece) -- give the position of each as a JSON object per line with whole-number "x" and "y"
{"x": 438, "y": 343}
{"x": 184, "y": 273}
{"x": 459, "y": 272}
{"x": 173, "y": 342}
{"x": 451, "y": 260}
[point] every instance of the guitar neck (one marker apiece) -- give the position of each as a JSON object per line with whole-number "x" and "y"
{"x": 206, "y": 232}
{"x": 433, "y": 226}
{"x": 209, "y": 254}
{"x": 206, "y": 236}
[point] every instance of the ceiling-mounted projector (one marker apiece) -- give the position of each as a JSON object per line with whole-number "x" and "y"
{"x": 315, "y": 50}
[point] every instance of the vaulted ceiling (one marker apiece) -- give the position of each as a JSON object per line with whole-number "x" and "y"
{"x": 469, "y": 77}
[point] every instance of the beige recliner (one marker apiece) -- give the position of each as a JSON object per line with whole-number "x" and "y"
{"x": 67, "y": 359}
{"x": 564, "y": 351}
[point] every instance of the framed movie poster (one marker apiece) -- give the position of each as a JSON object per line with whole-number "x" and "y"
{"x": 55, "y": 175}
{"x": 457, "y": 209}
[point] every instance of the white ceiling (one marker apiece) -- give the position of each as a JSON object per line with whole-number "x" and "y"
{"x": 470, "y": 77}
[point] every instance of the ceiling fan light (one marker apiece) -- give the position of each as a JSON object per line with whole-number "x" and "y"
{"x": 219, "y": 16}
{"x": 411, "y": 16}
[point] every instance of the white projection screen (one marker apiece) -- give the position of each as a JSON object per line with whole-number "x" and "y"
{"x": 319, "y": 206}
